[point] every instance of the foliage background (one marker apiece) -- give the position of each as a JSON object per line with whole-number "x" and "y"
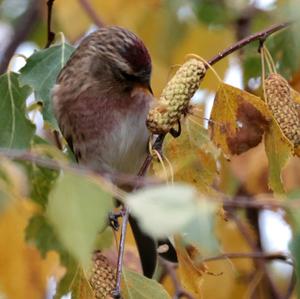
{"x": 171, "y": 29}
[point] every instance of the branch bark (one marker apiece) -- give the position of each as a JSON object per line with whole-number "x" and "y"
{"x": 86, "y": 5}
{"x": 50, "y": 33}
{"x": 262, "y": 35}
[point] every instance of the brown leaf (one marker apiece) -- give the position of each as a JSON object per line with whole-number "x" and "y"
{"x": 238, "y": 119}
{"x": 251, "y": 129}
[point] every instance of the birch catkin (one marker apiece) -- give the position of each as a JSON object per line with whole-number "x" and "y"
{"x": 102, "y": 278}
{"x": 280, "y": 102}
{"x": 175, "y": 97}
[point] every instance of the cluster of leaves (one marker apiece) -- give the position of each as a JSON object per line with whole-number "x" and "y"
{"x": 60, "y": 212}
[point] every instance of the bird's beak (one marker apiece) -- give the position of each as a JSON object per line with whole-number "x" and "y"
{"x": 149, "y": 88}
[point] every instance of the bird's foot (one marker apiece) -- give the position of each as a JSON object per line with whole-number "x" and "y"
{"x": 116, "y": 294}
{"x": 114, "y": 220}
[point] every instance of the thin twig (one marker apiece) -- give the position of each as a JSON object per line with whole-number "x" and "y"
{"x": 50, "y": 33}
{"x": 117, "y": 291}
{"x": 157, "y": 146}
{"x": 251, "y": 255}
{"x": 239, "y": 202}
{"x": 170, "y": 269}
{"x": 257, "y": 36}
{"x": 243, "y": 202}
{"x": 116, "y": 178}
{"x": 22, "y": 29}
{"x": 160, "y": 139}
{"x": 260, "y": 263}
{"x": 91, "y": 13}
{"x": 262, "y": 35}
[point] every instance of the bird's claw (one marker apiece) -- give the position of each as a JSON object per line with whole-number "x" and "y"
{"x": 116, "y": 294}
{"x": 114, "y": 220}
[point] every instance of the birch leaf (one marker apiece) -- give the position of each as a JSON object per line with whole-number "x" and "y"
{"x": 16, "y": 130}
{"x": 40, "y": 73}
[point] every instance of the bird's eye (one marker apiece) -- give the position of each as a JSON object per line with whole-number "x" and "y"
{"x": 129, "y": 77}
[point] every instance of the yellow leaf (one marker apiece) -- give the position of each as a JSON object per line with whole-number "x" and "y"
{"x": 190, "y": 271}
{"x": 231, "y": 275}
{"x": 190, "y": 161}
{"x": 81, "y": 288}
{"x": 23, "y": 273}
{"x": 13, "y": 180}
{"x": 224, "y": 116}
{"x": 279, "y": 150}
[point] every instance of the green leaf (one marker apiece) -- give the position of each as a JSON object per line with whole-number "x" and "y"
{"x": 40, "y": 73}
{"x": 78, "y": 209}
{"x": 279, "y": 150}
{"x": 210, "y": 12}
{"x": 42, "y": 235}
{"x": 200, "y": 230}
{"x": 105, "y": 239}
{"x": 251, "y": 65}
{"x": 285, "y": 50}
{"x": 293, "y": 214}
{"x": 65, "y": 285}
{"x": 163, "y": 211}
{"x": 135, "y": 285}
{"x": 295, "y": 250}
{"x": 16, "y": 130}
{"x": 42, "y": 180}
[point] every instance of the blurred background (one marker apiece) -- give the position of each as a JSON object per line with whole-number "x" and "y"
{"x": 172, "y": 29}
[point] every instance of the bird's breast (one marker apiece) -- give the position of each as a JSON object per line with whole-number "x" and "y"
{"x": 108, "y": 133}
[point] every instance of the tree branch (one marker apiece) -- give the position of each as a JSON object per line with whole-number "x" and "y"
{"x": 169, "y": 269}
{"x": 116, "y": 178}
{"x": 91, "y": 13}
{"x": 251, "y": 255}
{"x": 50, "y": 33}
{"x": 262, "y": 35}
{"x": 117, "y": 291}
{"x": 260, "y": 263}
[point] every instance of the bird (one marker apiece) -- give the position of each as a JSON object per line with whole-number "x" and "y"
{"x": 101, "y": 100}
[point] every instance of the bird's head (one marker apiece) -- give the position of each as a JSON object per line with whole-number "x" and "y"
{"x": 121, "y": 54}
